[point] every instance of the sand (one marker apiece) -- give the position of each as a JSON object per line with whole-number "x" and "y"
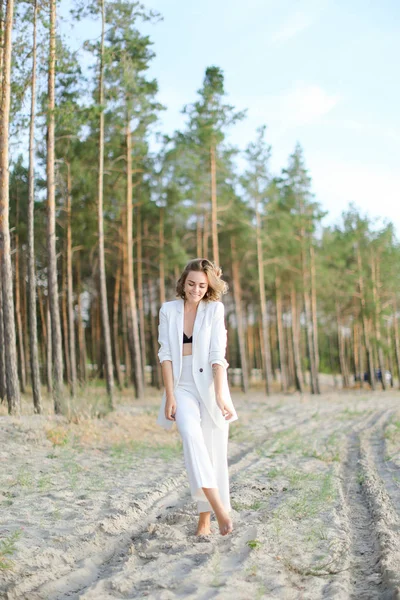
{"x": 99, "y": 508}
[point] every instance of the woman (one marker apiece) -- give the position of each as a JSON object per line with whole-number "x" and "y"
{"x": 193, "y": 338}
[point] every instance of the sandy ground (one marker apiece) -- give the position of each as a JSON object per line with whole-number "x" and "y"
{"x": 98, "y": 508}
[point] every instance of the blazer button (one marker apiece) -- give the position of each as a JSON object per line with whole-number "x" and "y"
{"x": 201, "y": 370}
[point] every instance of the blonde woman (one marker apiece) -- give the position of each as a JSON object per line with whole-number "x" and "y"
{"x": 192, "y": 338}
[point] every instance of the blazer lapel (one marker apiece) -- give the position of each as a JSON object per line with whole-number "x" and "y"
{"x": 179, "y": 323}
{"x": 197, "y": 322}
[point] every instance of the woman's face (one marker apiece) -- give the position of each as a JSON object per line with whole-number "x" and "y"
{"x": 196, "y": 286}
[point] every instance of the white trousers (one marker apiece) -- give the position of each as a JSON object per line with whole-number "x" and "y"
{"x": 205, "y": 446}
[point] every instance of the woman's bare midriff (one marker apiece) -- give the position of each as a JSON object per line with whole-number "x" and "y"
{"x": 187, "y": 349}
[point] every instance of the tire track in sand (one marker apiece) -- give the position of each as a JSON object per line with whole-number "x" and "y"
{"x": 382, "y": 505}
{"x": 103, "y": 557}
{"x": 150, "y": 534}
{"x": 371, "y": 519}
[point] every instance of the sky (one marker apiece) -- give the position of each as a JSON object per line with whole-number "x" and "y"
{"x": 323, "y": 73}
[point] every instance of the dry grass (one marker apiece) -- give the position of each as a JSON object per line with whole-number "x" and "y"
{"x": 87, "y": 421}
{"x": 114, "y": 429}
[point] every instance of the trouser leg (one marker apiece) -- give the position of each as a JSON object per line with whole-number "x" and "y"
{"x": 204, "y": 447}
{"x": 197, "y": 460}
{"x": 216, "y": 441}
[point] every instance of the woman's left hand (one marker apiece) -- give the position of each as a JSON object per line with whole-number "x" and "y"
{"x": 225, "y": 410}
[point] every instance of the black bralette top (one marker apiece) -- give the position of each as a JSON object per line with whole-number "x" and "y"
{"x": 187, "y": 340}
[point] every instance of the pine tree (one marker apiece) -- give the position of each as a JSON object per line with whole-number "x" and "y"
{"x": 209, "y": 118}
{"x": 256, "y": 181}
{"x": 8, "y": 330}
{"x": 51, "y": 222}
{"x": 33, "y": 336}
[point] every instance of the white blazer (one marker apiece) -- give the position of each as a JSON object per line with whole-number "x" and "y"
{"x": 209, "y": 346}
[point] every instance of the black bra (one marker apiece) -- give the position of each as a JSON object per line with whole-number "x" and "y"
{"x": 187, "y": 340}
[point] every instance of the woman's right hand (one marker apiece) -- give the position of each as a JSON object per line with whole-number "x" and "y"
{"x": 170, "y": 408}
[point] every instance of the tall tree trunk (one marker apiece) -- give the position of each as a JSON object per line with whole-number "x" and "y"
{"x": 13, "y": 392}
{"x": 377, "y": 318}
{"x": 314, "y": 316}
{"x": 70, "y": 285}
{"x": 390, "y": 350}
{"x": 49, "y": 356}
{"x": 214, "y": 209}
{"x": 237, "y": 293}
{"x": 43, "y": 323}
{"x": 199, "y": 239}
{"x": 117, "y": 359}
{"x": 3, "y": 383}
{"x": 2, "y": 29}
{"x": 20, "y": 336}
{"x": 308, "y": 320}
{"x": 64, "y": 317}
{"x": 206, "y": 234}
{"x": 140, "y": 287}
{"x": 51, "y": 224}
{"x": 356, "y": 356}
{"x": 250, "y": 346}
{"x": 368, "y": 349}
{"x": 99, "y": 344}
{"x": 290, "y": 362}
{"x": 81, "y": 329}
{"x": 161, "y": 242}
{"x": 93, "y": 349}
{"x": 273, "y": 343}
{"x": 24, "y": 303}
{"x": 342, "y": 354}
{"x": 108, "y": 367}
{"x": 127, "y": 356}
{"x": 396, "y": 337}
{"x": 132, "y": 309}
{"x": 176, "y": 272}
{"x": 263, "y": 304}
{"x": 153, "y": 303}
{"x": 296, "y": 340}
{"x": 281, "y": 337}
{"x": 360, "y": 353}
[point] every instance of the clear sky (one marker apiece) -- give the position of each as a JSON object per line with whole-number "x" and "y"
{"x": 321, "y": 72}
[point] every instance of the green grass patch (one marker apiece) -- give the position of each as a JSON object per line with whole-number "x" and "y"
{"x": 44, "y": 483}
{"x": 128, "y": 451}
{"x": 255, "y": 505}
{"x": 254, "y": 544}
{"x": 392, "y": 430}
{"x": 317, "y": 534}
{"x": 328, "y": 452}
{"x": 8, "y": 548}
{"x": 315, "y": 492}
{"x": 58, "y": 436}
{"x": 360, "y": 477}
{"x": 323, "y": 567}
{"x": 349, "y": 413}
{"x": 292, "y": 442}
{"x": 23, "y": 478}
{"x": 238, "y": 433}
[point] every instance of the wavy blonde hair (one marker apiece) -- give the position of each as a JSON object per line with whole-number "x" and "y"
{"x": 216, "y": 286}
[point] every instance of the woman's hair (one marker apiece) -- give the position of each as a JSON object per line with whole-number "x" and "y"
{"x": 216, "y": 286}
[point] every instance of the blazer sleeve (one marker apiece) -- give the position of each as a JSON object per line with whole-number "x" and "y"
{"x": 164, "y": 352}
{"x": 218, "y": 338}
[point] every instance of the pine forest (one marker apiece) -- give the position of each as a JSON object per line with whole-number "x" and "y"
{"x": 100, "y": 211}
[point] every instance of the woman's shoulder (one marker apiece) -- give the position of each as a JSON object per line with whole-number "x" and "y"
{"x": 217, "y": 306}
{"x": 169, "y": 305}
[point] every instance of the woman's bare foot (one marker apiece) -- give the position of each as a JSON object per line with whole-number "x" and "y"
{"x": 204, "y": 525}
{"x": 225, "y": 523}
{"x": 222, "y": 515}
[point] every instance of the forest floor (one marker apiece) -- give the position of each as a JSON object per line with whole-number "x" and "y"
{"x": 99, "y": 509}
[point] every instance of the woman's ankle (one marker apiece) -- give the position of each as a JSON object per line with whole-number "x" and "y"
{"x": 205, "y": 517}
